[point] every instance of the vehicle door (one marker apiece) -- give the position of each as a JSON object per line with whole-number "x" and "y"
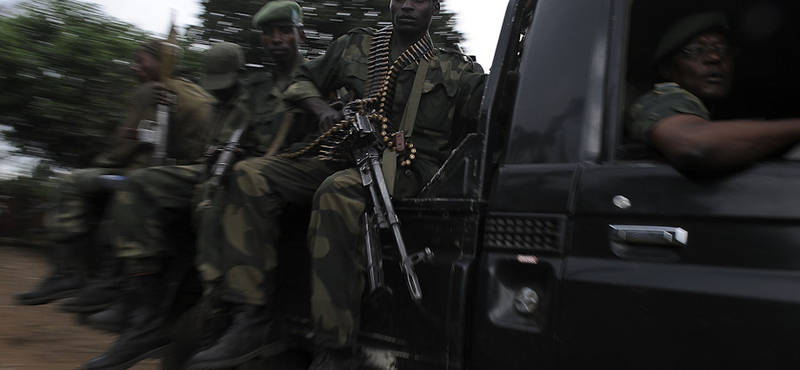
{"x": 667, "y": 270}
{"x": 552, "y": 121}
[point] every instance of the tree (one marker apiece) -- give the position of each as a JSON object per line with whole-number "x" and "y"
{"x": 325, "y": 20}
{"x": 66, "y": 78}
{"x": 65, "y": 70}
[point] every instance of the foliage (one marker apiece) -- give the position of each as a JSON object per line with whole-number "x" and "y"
{"x": 65, "y": 69}
{"x": 24, "y": 201}
{"x": 66, "y": 78}
{"x": 325, "y": 20}
{"x": 29, "y": 188}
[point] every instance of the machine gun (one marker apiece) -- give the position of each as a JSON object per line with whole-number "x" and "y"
{"x": 367, "y": 148}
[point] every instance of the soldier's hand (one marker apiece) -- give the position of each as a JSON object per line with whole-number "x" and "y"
{"x": 328, "y": 118}
{"x": 326, "y": 115}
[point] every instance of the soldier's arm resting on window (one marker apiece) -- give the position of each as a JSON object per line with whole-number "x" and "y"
{"x": 693, "y": 143}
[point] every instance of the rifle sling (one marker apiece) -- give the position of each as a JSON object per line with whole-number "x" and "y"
{"x": 280, "y": 137}
{"x": 407, "y": 125}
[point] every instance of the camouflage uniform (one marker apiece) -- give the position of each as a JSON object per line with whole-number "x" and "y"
{"x": 83, "y": 194}
{"x": 667, "y": 99}
{"x": 154, "y": 198}
{"x": 263, "y": 187}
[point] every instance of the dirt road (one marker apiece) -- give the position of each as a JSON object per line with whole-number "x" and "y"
{"x": 42, "y": 337}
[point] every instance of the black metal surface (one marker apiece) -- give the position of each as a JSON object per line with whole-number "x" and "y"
{"x": 729, "y": 296}
{"x": 527, "y": 204}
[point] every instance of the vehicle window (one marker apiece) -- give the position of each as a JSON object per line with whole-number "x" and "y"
{"x": 560, "y": 84}
{"x": 766, "y": 34}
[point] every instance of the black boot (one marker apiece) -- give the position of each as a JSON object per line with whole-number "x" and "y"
{"x": 99, "y": 294}
{"x": 333, "y": 359}
{"x": 113, "y": 319}
{"x": 198, "y": 329}
{"x": 217, "y": 317}
{"x": 94, "y": 297}
{"x": 253, "y": 333}
{"x": 63, "y": 282}
{"x": 149, "y": 333}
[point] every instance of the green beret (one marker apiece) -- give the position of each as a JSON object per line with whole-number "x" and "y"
{"x": 687, "y": 28}
{"x": 156, "y": 47}
{"x": 279, "y": 13}
{"x": 222, "y": 64}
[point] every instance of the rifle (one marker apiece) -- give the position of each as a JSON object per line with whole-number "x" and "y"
{"x": 224, "y": 163}
{"x": 156, "y": 132}
{"x": 367, "y": 150}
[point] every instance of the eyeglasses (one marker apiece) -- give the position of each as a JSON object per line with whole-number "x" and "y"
{"x": 700, "y": 52}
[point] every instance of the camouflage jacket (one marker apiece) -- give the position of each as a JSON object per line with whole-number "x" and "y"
{"x": 450, "y": 98}
{"x": 667, "y": 99}
{"x": 261, "y": 104}
{"x": 189, "y": 127}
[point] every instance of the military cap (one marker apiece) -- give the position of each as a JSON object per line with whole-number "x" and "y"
{"x": 156, "y": 47}
{"x": 222, "y": 64}
{"x": 685, "y": 29}
{"x": 279, "y": 13}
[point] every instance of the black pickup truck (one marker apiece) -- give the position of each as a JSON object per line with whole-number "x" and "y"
{"x": 555, "y": 248}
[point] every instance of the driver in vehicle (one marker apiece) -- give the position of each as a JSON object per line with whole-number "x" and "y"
{"x": 697, "y": 60}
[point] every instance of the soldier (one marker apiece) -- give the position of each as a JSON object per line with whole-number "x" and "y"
{"x": 280, "y": 23}
{"x": 158, "y": 202}
{"x": 448, "y": 92}
{"x": 83, "y": 194}
{"x": 696, "y": 58}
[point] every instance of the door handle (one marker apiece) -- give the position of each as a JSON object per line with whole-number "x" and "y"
{"x": 651, "y": 235}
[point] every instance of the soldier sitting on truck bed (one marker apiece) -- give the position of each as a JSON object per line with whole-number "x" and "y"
{"x": 83, "y": 194}
{"x": 147, "y": 207}
{"x": 696, "y": 58}
{"x": 447, "y": 90}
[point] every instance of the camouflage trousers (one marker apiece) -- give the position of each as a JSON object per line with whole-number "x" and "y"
{"x": 338, "y": 262}
{"x": 82, "y": 199}
{"x": 338, "y": 255}
{"x": 260, "y": 189}
{"x": 154, "y": 205}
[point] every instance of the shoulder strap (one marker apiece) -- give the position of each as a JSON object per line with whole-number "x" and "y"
{"x": 407, "y": 125}
{"x": 410, "y": 114}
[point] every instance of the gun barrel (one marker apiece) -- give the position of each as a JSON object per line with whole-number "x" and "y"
{"x": 374, "y": 255}
{"x": 406, "y": 263}
{"x": 367, "y": 151}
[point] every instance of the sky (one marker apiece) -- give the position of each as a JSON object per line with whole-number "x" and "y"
{"x": 11, "y": 166}
{"x": 480, "y": 23}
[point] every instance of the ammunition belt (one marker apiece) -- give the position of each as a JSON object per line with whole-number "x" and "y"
{"x": 381, "y": 84}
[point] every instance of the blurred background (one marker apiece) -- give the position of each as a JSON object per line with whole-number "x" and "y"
{"x": 65, "y": 74}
